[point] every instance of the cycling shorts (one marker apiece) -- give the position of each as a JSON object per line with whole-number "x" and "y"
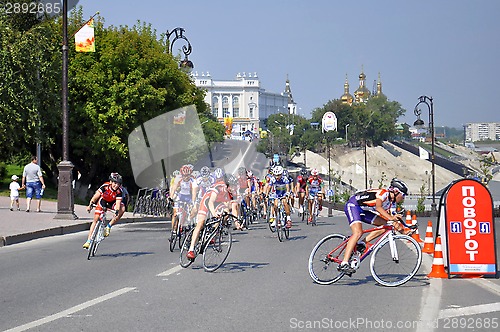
{"x": 182, "y": 198}
{"x": 355, "y": 213}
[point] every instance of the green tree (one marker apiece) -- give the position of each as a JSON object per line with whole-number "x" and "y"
{"x": 29, "y": 83}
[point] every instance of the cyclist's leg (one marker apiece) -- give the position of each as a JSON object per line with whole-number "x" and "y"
{"x": 353, "y": 213}
{"x": 200, "y": 222}
{"x": 320, "y": 200}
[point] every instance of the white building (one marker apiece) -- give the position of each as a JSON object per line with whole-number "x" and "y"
{"x": 482, "y": 131}
{"x": 244, "y": 100}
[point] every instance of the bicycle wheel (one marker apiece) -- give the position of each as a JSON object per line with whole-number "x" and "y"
{"x": 394, "y": 272}
{"x": 268, "y": 220}
{"x": 184, "y": 261}
{"x": 314, "y": 215}
{"x": 279, "y": 226}
{"x": 174, "y": 234}
{"x": 93, "y": 243}
{"x": 325, "y": 257}
{"x": 217, "y": 249}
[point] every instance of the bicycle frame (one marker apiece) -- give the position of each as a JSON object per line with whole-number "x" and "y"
{"x": 388, "y": 232}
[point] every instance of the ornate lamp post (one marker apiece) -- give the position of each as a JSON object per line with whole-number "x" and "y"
{"x": 65, "y": 199}
{"x": 178, "y": 33}
{"x": 419, "y": 123}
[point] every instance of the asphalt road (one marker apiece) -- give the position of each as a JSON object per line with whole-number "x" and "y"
{"x": 135, "y": 284}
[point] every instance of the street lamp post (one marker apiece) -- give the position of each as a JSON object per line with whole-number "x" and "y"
{"x": 347, "y": 125}
{"x": 178, "y": 33}
{"x": 419, "y": 123}
{"x": 65, "y": 199}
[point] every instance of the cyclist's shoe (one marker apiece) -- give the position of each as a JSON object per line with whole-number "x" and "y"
{"x": 191, "y": 255}
{"x": 107, "y": 230}
{"x": 86, "y": 245}
{"x": 309, "y": 220}
{"x": 288, "y": 224}
{"x": 272, "y": 221}
{"x": 344, "y": 267}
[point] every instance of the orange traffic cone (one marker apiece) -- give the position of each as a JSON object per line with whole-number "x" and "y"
{"x": 428, "y": 242}
{"x": 416, "y": 235}
{"x": 408, "y": 220}
{"x": 438, "y": 263}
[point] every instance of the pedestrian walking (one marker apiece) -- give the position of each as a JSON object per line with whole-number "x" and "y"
{"x": 14, "y": 192}
{"x": 34, "y": 183}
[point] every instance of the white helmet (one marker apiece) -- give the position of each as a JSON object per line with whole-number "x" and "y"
{"x": 314, "y": 171}
{"x": 278, "y": 170}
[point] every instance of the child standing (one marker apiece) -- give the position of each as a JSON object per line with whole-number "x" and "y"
{"x": 14, "y": 192}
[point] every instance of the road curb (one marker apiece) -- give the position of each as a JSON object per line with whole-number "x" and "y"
{"x": 67, "y": 229}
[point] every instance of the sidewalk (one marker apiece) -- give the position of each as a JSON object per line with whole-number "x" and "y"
{"x": 19, "y": 226}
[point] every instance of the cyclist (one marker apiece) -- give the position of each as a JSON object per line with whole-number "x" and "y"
{"x": 291, "y": 197}
{"x": 108, "y": 196}
{"x": 186, "y": 185}
{"x": 253, "y": 186}
{"x": 234, "y": 203}
{"x": 281, "y": 187}
{"x": 214, "y": 202}
{"x": 314, "y": 187}
{"x": 300, "y": 188}
{"x": 372, "y": 206}
{"x": 204, "y": 181}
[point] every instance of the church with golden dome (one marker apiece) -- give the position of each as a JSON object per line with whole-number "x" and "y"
{"x": 362, "y": 93}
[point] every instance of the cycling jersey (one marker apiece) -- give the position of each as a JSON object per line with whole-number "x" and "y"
{"x": 279, "y": 186}
{"x": 108, "y": 197}
{"x": 362, "y": 206}
{"x": 314, "y": 185}
{"x": 222, "y": 195}
{"x": 204, "y": 184}
{"x": 302, "y": 181}
{"x": 366, "y": 199}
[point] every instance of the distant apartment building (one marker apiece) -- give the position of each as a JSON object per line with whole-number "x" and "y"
{"x": 482, "y": 131}
{"x": 244, "y": 100}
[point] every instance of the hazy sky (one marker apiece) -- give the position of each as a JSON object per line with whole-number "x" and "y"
{"x": 449, "y": 50}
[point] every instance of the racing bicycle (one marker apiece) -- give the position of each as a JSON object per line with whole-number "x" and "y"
{"x": 396, "y": 257}
{"x": 98, "y": 233}
{"x": 214, "y": 243}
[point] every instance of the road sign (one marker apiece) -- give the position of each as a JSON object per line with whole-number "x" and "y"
{"x": 329, "y": 121}
{"x": 470, "y": 235}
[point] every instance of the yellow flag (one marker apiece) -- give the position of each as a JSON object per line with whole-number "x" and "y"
{"x": 84, "y": 38}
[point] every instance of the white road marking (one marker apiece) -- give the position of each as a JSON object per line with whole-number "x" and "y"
{"x": 170, "y": 271}
{"x": 70, "y": 311}
{"x": 472, "y": 310}
{"x": 431, "y": 299}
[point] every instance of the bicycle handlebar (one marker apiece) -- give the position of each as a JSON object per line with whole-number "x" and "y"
{"x": 93, "y": 205}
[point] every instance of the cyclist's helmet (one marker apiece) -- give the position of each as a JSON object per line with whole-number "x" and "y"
{"x": 186, "y": 170}
{"x": 285, "y": 173}
{"x": 249, "y": 173}
{"x": 303, "y": 171}
{"x": 314, "y": 172}
{"x": 399, "y": 185}
{"x": 277, "y": 170}
{"x": 176, "y": 173}
{"x": 205, "y": 171}
{"x": 232, "y": 180}
{"x": 242, "y": 170}
{"x": 196, "y": 174}
{"x": 115, "y": 177}
{"x": 219, "y": 173}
